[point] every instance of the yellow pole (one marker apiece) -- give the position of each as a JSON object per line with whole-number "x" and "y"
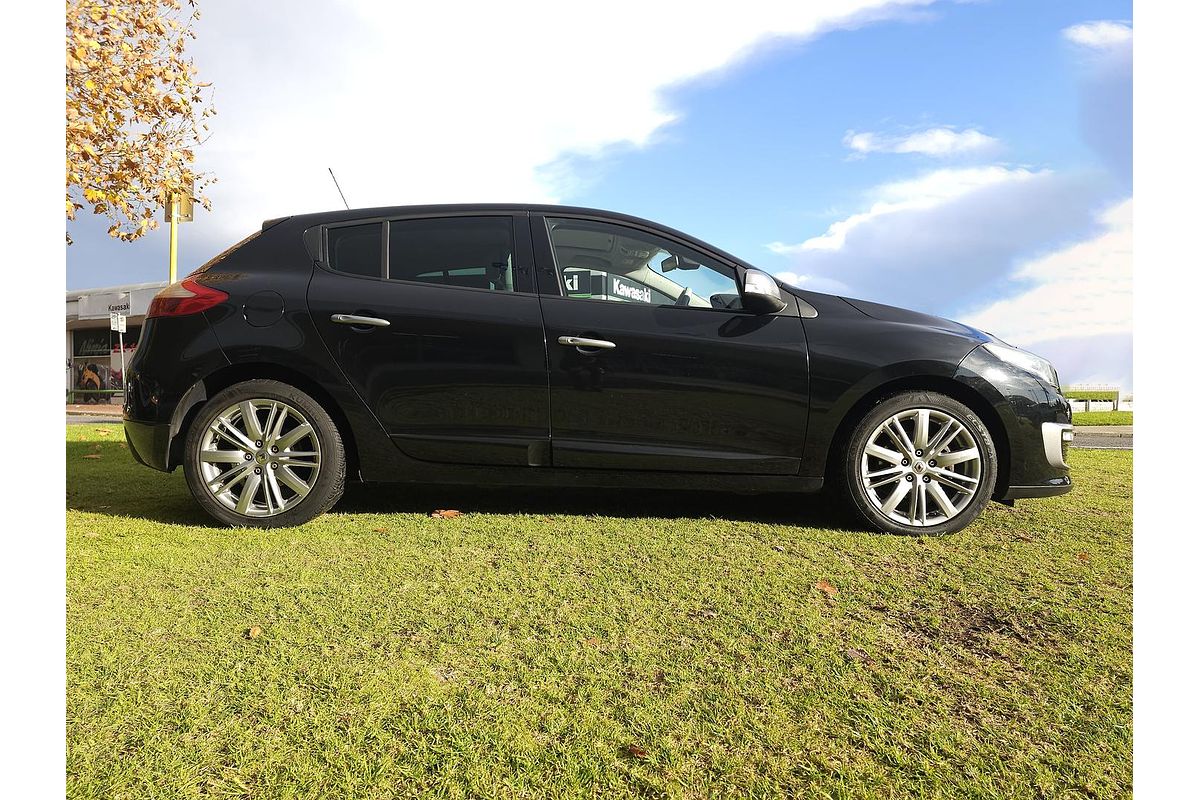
{"x": 174, "y": 233}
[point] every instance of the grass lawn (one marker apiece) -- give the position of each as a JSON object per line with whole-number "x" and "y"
{"x": 1084, "y": 394}
{"x": 1102, "y": 418}
{"x": 589, "y": 643}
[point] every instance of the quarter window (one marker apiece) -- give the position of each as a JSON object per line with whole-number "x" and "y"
{"x": 470, "y": 252}
{"x": 356, "y": 249}
{"x": 603, "y": 261}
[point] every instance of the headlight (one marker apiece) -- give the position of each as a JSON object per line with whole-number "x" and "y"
{"x": 1027, "y": 361}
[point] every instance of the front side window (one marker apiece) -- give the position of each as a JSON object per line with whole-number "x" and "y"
{"x": 467, "y": 252}
{"x": 356, "y": 249}
{"x": 604, "y": 261}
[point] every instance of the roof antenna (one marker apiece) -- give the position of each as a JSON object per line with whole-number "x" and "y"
{"x": 339, "y": 188}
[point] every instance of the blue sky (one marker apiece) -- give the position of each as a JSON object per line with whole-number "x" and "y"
{"x": 970, "y": 159}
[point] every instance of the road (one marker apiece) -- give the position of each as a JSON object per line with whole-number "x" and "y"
{"x": 1104, "y": 437}
{"x": 92, "y": 419}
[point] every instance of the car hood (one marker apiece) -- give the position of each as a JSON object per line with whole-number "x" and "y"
{"x": 907, "y": 317}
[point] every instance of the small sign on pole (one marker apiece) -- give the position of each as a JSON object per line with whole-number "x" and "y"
{"x": 181, "y": 205}
{"x": 177, "y": 208}
{"x": 116, "y": 321}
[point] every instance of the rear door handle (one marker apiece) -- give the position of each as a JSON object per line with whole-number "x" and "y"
{"x": 580, "y": 341}
{"x": 357, "y": 321}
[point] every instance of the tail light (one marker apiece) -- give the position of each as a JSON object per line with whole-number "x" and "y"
{"x": 184, "y": 298}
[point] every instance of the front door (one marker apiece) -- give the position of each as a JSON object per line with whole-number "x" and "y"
{"x": 435, "y": 323}
{"x": 653, "y": 363}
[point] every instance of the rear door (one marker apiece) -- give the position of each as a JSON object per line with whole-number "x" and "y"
{"x": 653, "y": 363}
{"x": 435, "y": 323}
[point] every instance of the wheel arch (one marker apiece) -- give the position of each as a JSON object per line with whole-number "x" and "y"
{"x": 193, "y": 400}
{"x": 926, "y": 383}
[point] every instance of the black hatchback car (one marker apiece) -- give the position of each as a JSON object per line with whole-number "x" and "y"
{"x": 547, "y": 345}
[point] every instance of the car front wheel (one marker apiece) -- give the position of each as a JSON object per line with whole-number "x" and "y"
{"x": 920, "y": 463}
{"x": 264, "y": 454}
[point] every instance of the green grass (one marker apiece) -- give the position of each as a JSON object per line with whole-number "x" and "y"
{"x": 1102, "y": 418}
{"x": 592, "y": 643}
{"x": 1103, "y": 396}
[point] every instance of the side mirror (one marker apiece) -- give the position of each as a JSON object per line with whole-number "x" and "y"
{"x": 760, "y": 293}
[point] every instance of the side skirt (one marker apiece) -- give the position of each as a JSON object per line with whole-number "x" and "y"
{"x": 607, "y": 479}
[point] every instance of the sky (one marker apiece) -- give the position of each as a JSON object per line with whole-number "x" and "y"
{"x": 966, "y": 159}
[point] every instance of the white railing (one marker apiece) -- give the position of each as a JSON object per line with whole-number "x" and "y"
{"x": 1109, "y": 388}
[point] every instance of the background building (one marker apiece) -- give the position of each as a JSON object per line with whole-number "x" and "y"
{"x": 93, "y": 350}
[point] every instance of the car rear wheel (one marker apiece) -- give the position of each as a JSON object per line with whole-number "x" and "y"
{"x": 920, "y": 463}
{"x": 264, "y": 454}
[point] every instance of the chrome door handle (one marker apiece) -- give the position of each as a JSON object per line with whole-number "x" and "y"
{"x": 579, "y": 341}
{"x": 354, "y": 319}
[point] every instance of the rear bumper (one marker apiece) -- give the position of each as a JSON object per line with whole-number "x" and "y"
{"x": 150, "y": 444}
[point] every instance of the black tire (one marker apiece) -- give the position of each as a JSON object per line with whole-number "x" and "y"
{"x": 326, "y": 489}
{"x": 859, "y": 496}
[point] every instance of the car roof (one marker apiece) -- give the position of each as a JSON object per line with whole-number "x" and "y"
{"x": 338, "y": 215}
{"x": 347, "y": 215}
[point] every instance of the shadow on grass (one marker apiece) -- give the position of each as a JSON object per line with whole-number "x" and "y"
{"x": 116, "y": 485}
{"x": 814, "y": 510}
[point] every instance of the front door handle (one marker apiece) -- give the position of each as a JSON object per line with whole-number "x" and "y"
{"x": 585, "y": 343}
{"x": 357, "y": 321}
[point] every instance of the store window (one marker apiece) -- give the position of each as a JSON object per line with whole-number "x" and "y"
{"x": 96, "y": 361}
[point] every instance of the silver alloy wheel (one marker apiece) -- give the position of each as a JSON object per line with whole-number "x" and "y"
{"x": 921, "y": 467}
{"x": 260, "y": 457}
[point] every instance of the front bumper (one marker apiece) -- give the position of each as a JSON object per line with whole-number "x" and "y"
{"x": 1056, "y": 437}
{"x": 149, "y": 443}
{"x": 1051, "y": 488}
{"x": 1036, "y": 420}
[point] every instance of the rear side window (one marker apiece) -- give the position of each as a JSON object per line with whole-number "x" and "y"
{"x": 356, "y": 249}
{"x": 467, "y": 252}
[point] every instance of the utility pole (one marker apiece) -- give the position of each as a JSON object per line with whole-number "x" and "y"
{"x": 174, "y": 208}
{"x": 178, "y": 209}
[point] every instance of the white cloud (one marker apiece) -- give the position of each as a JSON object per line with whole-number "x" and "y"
{"x": 1104, "y": 55}
{"x": 1101, "y": 34}
{"x": 815, "y": 283}
{"x": 1085, "y": 289}
{"x": 945, "y": 240}
{"x": 1105, "y": 358}
{"x": 926, "y": 192}
{"x": 938, "y": 142}
{"x": 413, "y": 103}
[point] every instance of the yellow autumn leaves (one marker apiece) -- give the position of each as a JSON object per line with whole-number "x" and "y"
{"x": 134, "y": 109}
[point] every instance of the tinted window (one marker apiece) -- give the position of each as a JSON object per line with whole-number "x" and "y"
{"x": 221, "y": 256}
{"x": 603, "y": 261}
{"x": 357, "y": 249}
{"x": 473, "y": 252}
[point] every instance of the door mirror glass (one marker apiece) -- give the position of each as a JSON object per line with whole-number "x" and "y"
{"x": 760, "y": 293}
